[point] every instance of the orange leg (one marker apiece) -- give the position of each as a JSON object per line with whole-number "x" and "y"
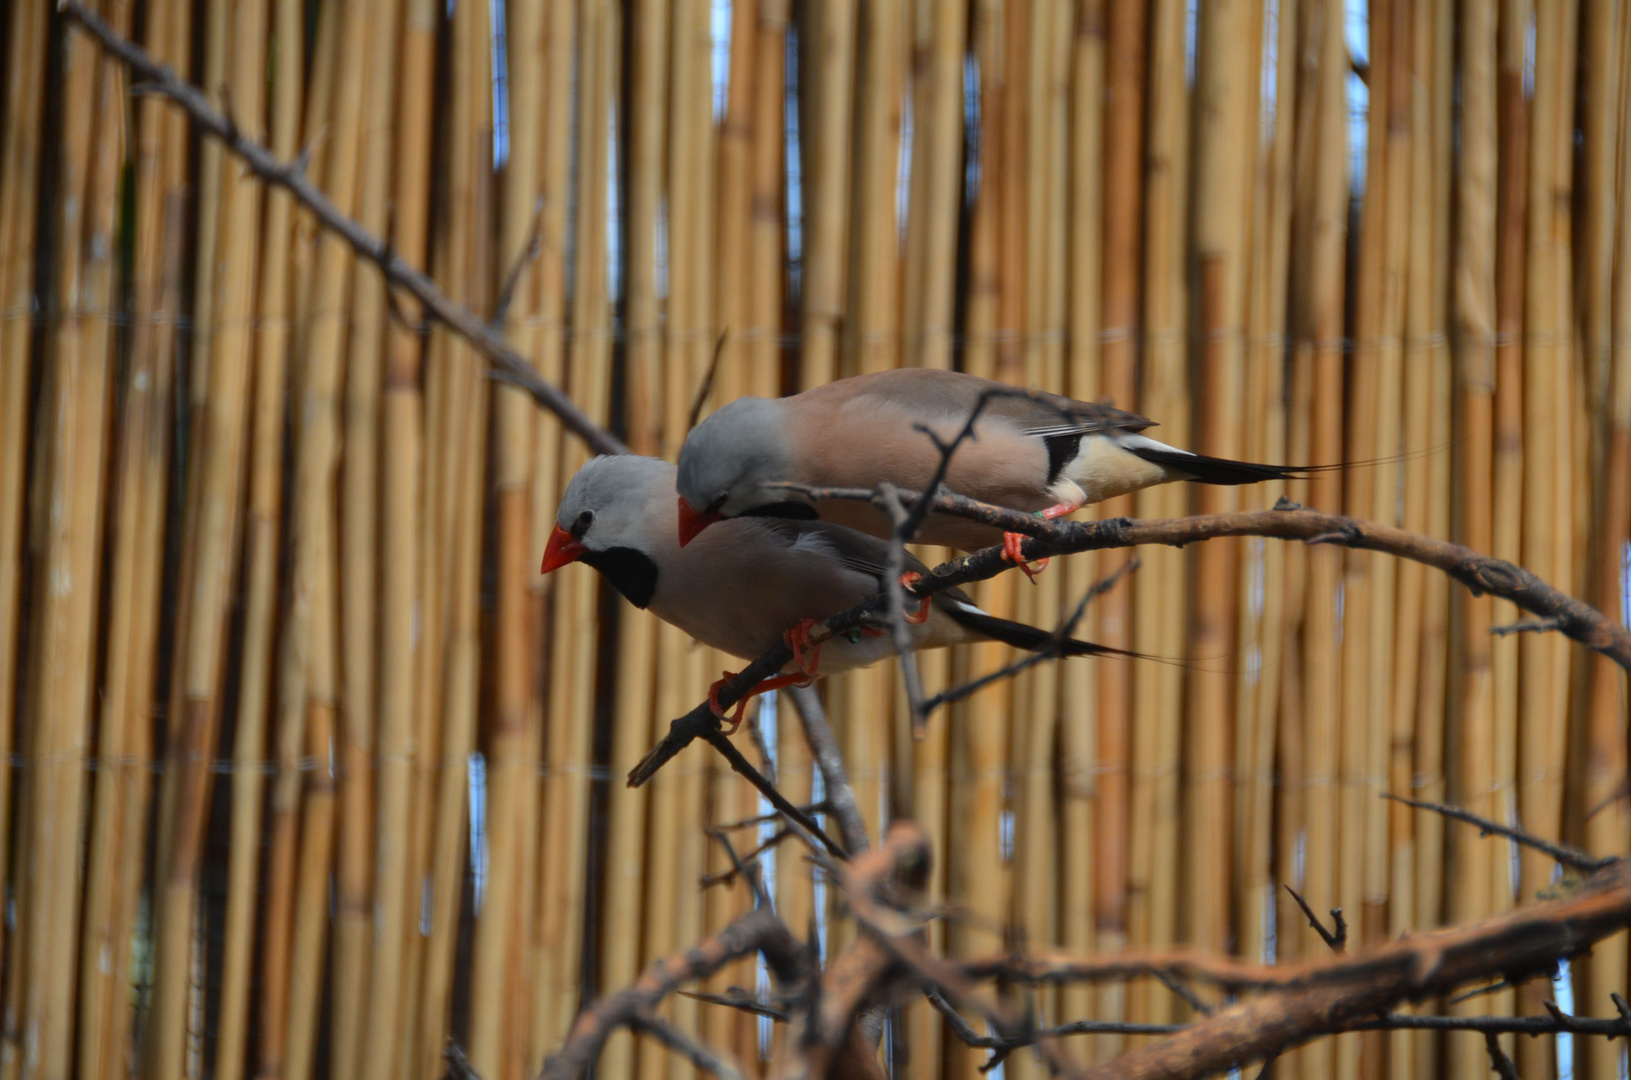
{"x": 734, "y": 720}
{"x": 806, "y": 654}
{"x": 921, "y": 615}
{"x": 1013, "y": 541}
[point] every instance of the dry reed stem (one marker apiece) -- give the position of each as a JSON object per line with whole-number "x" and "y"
{"x": 20, "y": 160}
{"x": 63, "y": 538}
{"x": 360, "y": 579}
{"x": 1122, "y": 162}
{"x": 136, "y": 518}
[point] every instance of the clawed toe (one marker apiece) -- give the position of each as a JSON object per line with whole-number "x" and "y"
{"x": 921, "y": 615}
{"x": 1013, "y": 545}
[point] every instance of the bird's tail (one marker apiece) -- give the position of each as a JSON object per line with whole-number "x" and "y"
{"x": 1021, "y": 636}
{"x": 1214, "y": 470}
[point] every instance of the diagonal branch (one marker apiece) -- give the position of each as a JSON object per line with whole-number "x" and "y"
{"x": 1568, "y": 856}
{"x": 507, "y": 364}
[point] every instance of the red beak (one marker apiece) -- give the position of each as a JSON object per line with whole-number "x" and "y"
{"x": 692, "y": 522}
{"x": 562, "y": 549}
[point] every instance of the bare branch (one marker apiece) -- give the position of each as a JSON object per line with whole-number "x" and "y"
{"x": 699, "y": 1055}
{"x": 507, "y": 364}
{"x": 840, "y": 793}
{"x": 529, "y": 252}
{"x": 1568, "y": 856}
{"x": 1497, "y": 1057}
{"x": 1336, "y": 942}
{"x": 1481, "y": 574}
{"x": 706, "y": 386}
{"x": 748, "y": 933}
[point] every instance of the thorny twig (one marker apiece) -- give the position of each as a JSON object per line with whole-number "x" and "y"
{"x": 507, "y": 364}
{"x": 1568, "y": 856}
{"x": 1337, "y": 942}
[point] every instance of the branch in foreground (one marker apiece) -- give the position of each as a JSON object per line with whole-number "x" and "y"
{"x": 1342, "y": 994}
{"x": 749, "y": 933}
{"x": 507, "y": 364}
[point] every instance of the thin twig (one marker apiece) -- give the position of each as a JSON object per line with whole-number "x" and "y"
{"x": 737, "y": 998}
{"x": 1336, "y": 942}
{"x": 900, "y": 633}
{"x": 1185, "y": 991}
{"x": 745, "y": 868}
{"x": 523, "y": 258}
{"x": 458, "y": 1064}
{"x": 703, "y": 1057}
{"x": 706, "y": 386}
{"x": 801, "y": 821}
{"x": 1568, "y": 856}
{"x": 508, "y": 365}
{"x": 835, "y": 782}
{"x": 1527, "y": 626}
{"x": 1497, "y": 1058}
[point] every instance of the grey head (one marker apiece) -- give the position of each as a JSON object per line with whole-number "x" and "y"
{"x": 731, "y": 455}
{"x": 610, "y": 502}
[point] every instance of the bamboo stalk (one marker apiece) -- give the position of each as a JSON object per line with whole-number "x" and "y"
{"x": 1078, "y": 691}
{"x": 20, "y": 160}
{"x": 828, "y": 68}
{"x": 1606, "y": 825}
{"x": 396, "y": 891}
{"x": 1224, "y": 171}
{"x": 360, "y": 583}
{"x": 317, "y": 810}
{"x": 137, "y": 520}
{"x": 1322, "y": 340}
{"x": 767, "y": 224}
{"x": 1119, "y": 828}
{"x": 495, "y": 1042}
{"x": 1267, "y": 616}
{"x": 733, "y": 148}
{"x": 56, "y": 707}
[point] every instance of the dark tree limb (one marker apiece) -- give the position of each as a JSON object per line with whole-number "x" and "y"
{"x": 747, "y": 934}
{"x": 1568, "y": 856}
{"x": 507, "y": 364}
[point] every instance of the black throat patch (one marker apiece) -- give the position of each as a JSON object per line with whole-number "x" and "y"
{"x": 792, "y": 510}
{"x": 632, "y": 573}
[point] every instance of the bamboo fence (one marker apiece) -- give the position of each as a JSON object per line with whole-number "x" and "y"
{"x": 304, "y": 771}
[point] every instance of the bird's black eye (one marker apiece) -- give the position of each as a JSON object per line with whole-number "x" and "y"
{"x": 714, "y": 507}
{"x": 581, "y": 526}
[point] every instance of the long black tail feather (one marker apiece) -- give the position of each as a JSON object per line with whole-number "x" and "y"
{"x": 1029, "y": 638}
{"x": 1212, "y": 470}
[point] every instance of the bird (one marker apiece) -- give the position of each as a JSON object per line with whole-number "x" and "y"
{"x": 750, "y": 584}
{"x": 1031, "y": 451}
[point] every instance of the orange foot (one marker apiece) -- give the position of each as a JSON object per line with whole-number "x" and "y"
{"x": 1012, "y": 543}
{"x": 806, "y": 654}
{"x": 734, "y": 720}
{"x": 921, "y": 615}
